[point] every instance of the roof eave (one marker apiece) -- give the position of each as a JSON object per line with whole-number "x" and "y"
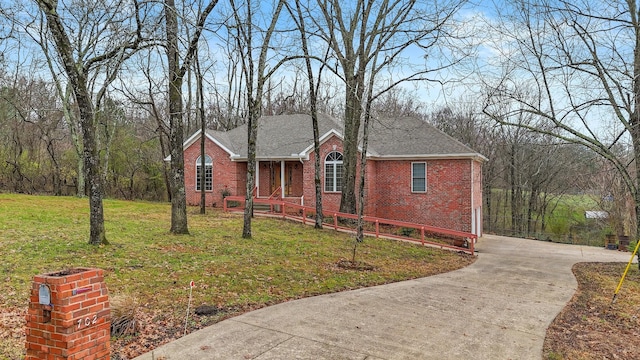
{"x": 196, "y": 136}
{"x": 472, "y": 156}
{"x": 297, "y": 157}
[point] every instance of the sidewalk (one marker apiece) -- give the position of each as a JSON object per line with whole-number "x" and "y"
{"x": 497, "y": 308}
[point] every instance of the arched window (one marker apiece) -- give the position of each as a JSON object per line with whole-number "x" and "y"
{"x": 208, "y": 173}
{"x": 333, "y": 169}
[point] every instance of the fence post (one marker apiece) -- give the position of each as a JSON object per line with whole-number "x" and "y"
{"x": 224, "y": 204}
{"x": 422, "y": 235}
{"x": 377, "y": 228}
{"x": 335, "y": 221}
{"x": 304, "y": 216}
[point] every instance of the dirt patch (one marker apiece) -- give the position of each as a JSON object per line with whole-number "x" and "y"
{"x": 590, "y": 327}
{"x": 354, "y": 265}
{"x": 12, "y": 336}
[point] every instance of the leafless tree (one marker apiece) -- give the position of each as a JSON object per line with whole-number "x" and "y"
{"x": 314, "y": 86}
{"x": 579, "y": 62}
{"x": 91, "y": 56}
{"x": 177, "y": 72}
{"x": 247, "y": 35}
{"x": 371, "y": 37}
{"x": 150, "y": 96}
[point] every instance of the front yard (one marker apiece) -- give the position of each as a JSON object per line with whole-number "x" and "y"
{"x": 152, "y": 269}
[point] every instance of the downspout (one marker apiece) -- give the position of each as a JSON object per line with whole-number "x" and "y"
{"x": 474, "y": 225}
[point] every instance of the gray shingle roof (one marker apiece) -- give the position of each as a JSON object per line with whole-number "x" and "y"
{"x": 287, "y": 136}
{"x": 408, "y": 136}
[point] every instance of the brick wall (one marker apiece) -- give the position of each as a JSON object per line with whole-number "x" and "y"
{"x": 225, "y": 174}
{"x": 446, "y": 203}
{"x": 76, "y": 323}
{"x": 330, "y": 200}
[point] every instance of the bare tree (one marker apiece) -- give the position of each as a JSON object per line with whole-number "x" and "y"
{"x": 177, "y": 72}
{"x": 78, "y": 64}
{"x": 368, "y": 37}
{"x": 313, "y": 104}
{"x": 243, "y": 31}
{"x": 152, "y": 99}
{"x": 579, "y": 63}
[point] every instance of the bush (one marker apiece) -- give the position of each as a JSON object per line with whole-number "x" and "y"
{"x": 408, "y": 232}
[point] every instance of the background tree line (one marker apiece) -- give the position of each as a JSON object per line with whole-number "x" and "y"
{"x": 152, "y": 73}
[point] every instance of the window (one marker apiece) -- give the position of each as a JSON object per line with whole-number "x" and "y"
{"x": 333, "y": 169}
{"x": 418, "y": 177}
{"x": 208, "y": 173}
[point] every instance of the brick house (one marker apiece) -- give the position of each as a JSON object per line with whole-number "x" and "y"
{"x": 415, "y": 172}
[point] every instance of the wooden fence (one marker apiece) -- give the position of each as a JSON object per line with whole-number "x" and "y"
{"x": 376, "y": 227}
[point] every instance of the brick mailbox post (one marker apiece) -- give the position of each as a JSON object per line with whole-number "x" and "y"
{"x": 69, "y": 316}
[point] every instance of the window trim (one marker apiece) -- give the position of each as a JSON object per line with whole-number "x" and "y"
{"x": 413, "y": 177}
{"x": 334, "y": 164}
{"x": 208, "y": 163}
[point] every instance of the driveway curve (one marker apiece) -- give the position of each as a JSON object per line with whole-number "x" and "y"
{"x": 497, "y": 308}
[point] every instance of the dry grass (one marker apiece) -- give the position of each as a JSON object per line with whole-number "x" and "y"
{"x": 590, "y": 327}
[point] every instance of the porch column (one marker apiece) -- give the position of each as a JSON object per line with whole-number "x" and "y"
{"x": 282, "y": 179}
{"x": 257, "y": 178}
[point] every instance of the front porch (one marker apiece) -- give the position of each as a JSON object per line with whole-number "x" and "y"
{"x": 280, "y": 179}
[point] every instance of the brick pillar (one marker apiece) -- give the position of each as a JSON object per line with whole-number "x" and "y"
{"x": 76, "y": 323}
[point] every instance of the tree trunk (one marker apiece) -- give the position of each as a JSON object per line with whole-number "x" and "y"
{"x": 81, "y": 190}
{"x": 203, "y": 129}
{"x": 353, "y": 112}
{"x": 634, "y": 121}
{"x": 252, "y": 132}
{"x": 531, "y": 208}
{"x": 78, "y": 80}
{"x": 313, "y": 102}
{"x": 176, "y": 179}
{"x": 254, "y": 100}
{"x": 165, "y": 171}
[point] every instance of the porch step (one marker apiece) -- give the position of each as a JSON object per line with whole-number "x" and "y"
{"x": 261, "y": 207}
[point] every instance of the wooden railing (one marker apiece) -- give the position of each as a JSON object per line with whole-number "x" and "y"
{"x": 376, "y": 227}
{"x": 275, "y": 195}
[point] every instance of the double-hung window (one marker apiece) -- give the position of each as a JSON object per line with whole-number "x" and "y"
{"x": 208, "y": 173}
{"x": 333, "y": 169}
{"x": 419, "y": 177}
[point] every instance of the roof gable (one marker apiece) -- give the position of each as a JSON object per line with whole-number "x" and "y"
{"x": 218, "y": 137}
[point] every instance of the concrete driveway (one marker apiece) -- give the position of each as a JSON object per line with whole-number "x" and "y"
{"x": 497, "y": 308}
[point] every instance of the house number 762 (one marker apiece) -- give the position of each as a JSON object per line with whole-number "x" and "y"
{"x": 88, "y": 321}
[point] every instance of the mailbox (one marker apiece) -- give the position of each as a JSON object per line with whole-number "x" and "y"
{"x": 44, "y": 295}
{"x": 69, "y": 316}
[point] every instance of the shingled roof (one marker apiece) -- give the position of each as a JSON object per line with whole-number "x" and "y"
{"x": 291, "y": 136}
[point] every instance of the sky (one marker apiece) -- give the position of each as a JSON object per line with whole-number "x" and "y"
{"x": 462, "y": 83}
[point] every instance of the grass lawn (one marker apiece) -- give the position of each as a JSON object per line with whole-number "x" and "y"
{"x": 283, "y": 261}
